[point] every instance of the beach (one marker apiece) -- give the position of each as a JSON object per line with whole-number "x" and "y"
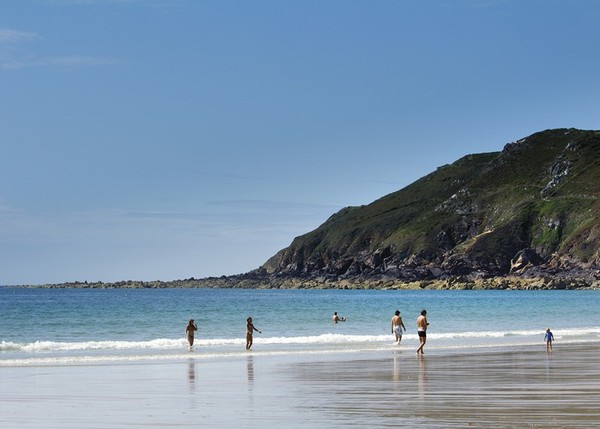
{"x": 112, "y": 359}
{"x": 522, "y": 386}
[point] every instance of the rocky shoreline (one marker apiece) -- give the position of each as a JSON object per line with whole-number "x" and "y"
{"x": 590, "y": 281}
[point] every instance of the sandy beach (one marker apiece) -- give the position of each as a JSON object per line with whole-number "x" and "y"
{"x": 493, "y": 388}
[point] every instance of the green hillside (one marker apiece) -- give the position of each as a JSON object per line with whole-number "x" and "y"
{"x": 532, "y": 207}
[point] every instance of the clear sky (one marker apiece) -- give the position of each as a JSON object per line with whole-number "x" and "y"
{"x": 162, "y": 140}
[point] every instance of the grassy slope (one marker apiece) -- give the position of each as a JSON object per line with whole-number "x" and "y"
{"x": 482, "y": 208}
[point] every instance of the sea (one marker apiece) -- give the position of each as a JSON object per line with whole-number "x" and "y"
{"x": 40, "y": 326}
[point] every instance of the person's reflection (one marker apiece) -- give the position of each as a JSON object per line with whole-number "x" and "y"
{"x": 422, "y": 377}
{"x": 250, "y": 368}
{"x": 191, "y": 376}
{"x": 396, "y": 373}
{"x": 192, "y": 372}
{"x": 548, "y": 366}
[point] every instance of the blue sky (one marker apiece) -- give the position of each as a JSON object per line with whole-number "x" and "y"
{"x": 161, "y": 140}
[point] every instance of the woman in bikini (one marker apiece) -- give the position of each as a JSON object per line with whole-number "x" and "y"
{"x": 249, "y": 331}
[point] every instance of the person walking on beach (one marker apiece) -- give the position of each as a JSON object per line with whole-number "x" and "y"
{"x": 250, "y": 328}
{"x": 397, "y": 326}
{"x": 189, "y": 331}
{"x": 549, "y": 337}
{"x": 335, "y": 318}
{"x": 422, "y": 325}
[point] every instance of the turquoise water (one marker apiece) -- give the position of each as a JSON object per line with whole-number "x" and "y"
{"x": 88, "y": 325}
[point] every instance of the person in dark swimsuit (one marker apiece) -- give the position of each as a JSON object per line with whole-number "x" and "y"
{"x": 190, "y": 329}
{"x": 249, "y": 331}
{"x": 422, "y": 325}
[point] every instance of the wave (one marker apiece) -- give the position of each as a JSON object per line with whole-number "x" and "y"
{"x": 166, "y": 344}
{"x": 559, "y": 333}
{"x": 243, "y": 354}
{"x": 56, "y": 346}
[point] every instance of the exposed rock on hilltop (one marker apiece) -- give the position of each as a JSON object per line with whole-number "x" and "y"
{"x": 531, "y": 210}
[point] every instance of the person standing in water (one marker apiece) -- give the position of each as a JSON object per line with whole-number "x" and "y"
{"x": 250, "y": 328}
{"x": 397, "y": 326}
{"x": 335, "y": 318}
{"x": 549, "y": 337}
{"x": 190, "y": 329}
{"x": 422, "y": 325}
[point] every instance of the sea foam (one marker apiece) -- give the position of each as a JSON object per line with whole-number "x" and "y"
{"x": 330, "y": 339}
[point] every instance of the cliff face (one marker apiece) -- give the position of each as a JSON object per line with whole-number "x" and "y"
{"x": 529, "y": 210}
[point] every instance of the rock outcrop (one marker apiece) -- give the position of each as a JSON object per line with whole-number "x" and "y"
{"x": 531, "y": 210}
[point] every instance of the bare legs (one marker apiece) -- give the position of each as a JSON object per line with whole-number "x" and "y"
{"x": 422, "y": 341}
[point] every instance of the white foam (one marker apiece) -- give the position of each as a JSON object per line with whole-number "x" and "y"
{"x": 317, "y": 340}
{"x": 54, "y": 346}
{"x": 241, "y": 354}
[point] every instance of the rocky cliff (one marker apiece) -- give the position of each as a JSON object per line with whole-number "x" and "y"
{"x": 531, "y": 210}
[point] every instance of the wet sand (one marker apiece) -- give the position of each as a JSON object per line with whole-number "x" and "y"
{"x": 484, "y": 388}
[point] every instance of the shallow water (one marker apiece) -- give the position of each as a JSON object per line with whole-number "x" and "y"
{"x": 87, "y": 325}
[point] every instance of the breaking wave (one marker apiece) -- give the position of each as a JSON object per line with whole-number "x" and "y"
{"x": 166, "y": 344}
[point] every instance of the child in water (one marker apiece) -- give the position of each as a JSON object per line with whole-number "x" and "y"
{"x": 548, "y": 338}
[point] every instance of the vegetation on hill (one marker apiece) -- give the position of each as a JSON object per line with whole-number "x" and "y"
{"x": 531, "y": 209}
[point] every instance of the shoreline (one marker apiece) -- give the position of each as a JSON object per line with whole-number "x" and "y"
{"x": 198, "y": 355}
{"x": 248, "y": 281}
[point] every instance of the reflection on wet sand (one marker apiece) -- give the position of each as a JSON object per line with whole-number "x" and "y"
{"x": 480, "y": 388}
{"x": 192, "y": 371}
{"x": 191, "y": 376}
{"x": 250, "y": 370}
{"x": 422, "y": 377}
{"x": 397, "y": 371}
{"x": 548, "y": 364}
